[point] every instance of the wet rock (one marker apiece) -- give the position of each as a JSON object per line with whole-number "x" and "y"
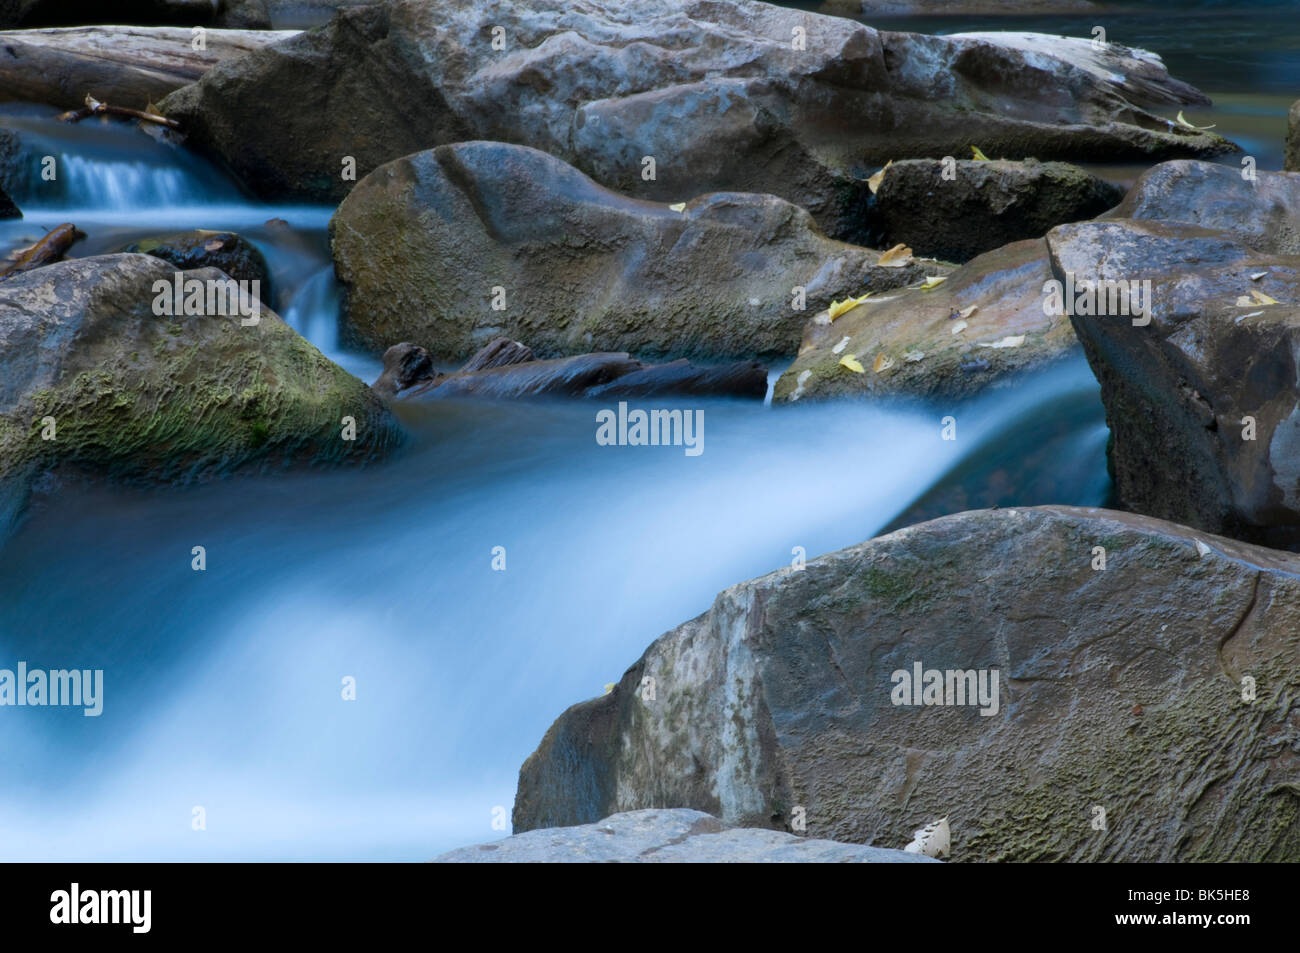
{"x": 982, "y": 326}
{"x": 667, "y": 836}
{"x": 791, "y": 697}
{"x": 92, "y": 379}
{"x": 1201, "y": 401}
{"x": 1292, "y": 163}
{"x": 201, "y": 248}
{"x": 716, "y": 93}
{"x": 457, "y": 245}
{"x": 120, "y": 65}
{"x": 981, "y": 206}
{"x": 1262, "y": 213}
{"x": 409, "y": 374}
{"x": 7, "y": 207}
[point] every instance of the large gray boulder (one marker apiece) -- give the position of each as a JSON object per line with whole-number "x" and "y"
{"x": 1202, "y": 401}
{"x": 1263, "y": 213}
{"x": 94, "y": 381}
{"x": 1121, "y": 726}
{"x": 427, "y": 245}
{"x": 120, "y": 65}
{"x": 678, "y": 836}
{"x": 955, "y": 211}
{"x": 723, "y": 96}
{"x": 982, "y": 327}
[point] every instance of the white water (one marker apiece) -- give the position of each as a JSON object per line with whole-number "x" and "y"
{"x": 223, "y": 687}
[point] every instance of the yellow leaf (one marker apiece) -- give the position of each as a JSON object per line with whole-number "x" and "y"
{"x": 873, "y": 183}
{"x": 678, "y": 207}
{"x": 979, "y": 156}
{"x": 1261, "y": 298}
{"x": 896, "y": 257}
{"x": 609, "y": 687}
{"x": 933, "y": 281}
{"x": 851, "y": 362}
{"x": 1182, "y": 121}
{"x": 882, "y": 363}
{"x": 848, "y": 304}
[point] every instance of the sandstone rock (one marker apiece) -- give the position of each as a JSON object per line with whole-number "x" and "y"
{"x": 201, "y": 248}
{"x": 669, "y": 837}
{"x": 144, "y": 398}
{"x": 1178, "y": 391}
{"x": 918, "y": 343}
{"x": 714, "y": 91}
{"x": 983, "y": 205}
{"x": 120, "y": 65}
{"x": 422, "y": 242}
{"x": 1263, "y": 214}
{"x": 1120, "y": 689}
{"x": 1292, "y": 162}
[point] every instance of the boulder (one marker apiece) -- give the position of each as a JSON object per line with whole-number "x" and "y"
{"x": 428, "y": 246}
{"x": 1121, "y": 697}
{"x": 663, "y": 99}
{"x": 1292, "y": 160}
{"x": 931, "y": 344}
{"x": 1263, "y": 213}
{"x": 1202, "y": 400}
{"x": 120, "y": 65}
{"x": 409, "y": 374}
{"x": 677, "y": 836}
{"x": 981, "y": 206}
{"x": 202, "y": 248}
{"x": 93, "y": 381}
{"x": 7, "y": 207}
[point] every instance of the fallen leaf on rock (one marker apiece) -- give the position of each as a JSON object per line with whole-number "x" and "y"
{"x": 933, "y": 281}
{"x": 1137, "y": 709}
{"x": 1202, "y": 549}
{"x": 913, "y": 356}
{"x": 979, "y": 156}
{"x": 851, "y": 362}
{"x": 841, "y": 346}
{"x": 1012, "y": 340}
{"x": 873, "y": 183}
{"x": 679, "y": 207}
{"x": 883, "y": 362}
{"x": 1182, "y": 121}
{"x": 848, "y": 304}
{"x": 959, "y": 327}
{"x": 933, "y": 840}
{"x": 609, "y": 687}
{"x": 896, "y": 257}
{"x": 1258, "y": 275}
{"x": 1255, "y": 298}
{"x": 1242, "y": 317}
{"x": 967, "y": 312}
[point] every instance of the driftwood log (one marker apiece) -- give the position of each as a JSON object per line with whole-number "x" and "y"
{"x": 49, "y": 249}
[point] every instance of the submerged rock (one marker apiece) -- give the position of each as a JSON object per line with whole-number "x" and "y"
{"x": 980, "y": 327}
{"x": 670, "y": 836}
{"x": 466, "y": 242}
{"x": 981, "y": 206}
{"x": 664, "y": 99}
{"x": 120, "y": 65}
{"x": 1113, "y": 697}
{"x": 409, "y": 374}
{"x": 201, "y": 248}
{"x": 1202, "y": 400}
{"x": 1262, "y": 213}
{"x": 93, "y": 380}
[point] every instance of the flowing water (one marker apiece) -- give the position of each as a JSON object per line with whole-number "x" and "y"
{"x": 222, "y": 688}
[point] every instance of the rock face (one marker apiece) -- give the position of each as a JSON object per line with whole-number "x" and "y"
{"x": 1179, "y": 390}
{"x": 1263, "y": 214}
{"x": 983, "y": 205}
{"x": 136, "y": 396}
{"x": 201, "y": 248}
{"x": 918, "y": 343}
{"x": 1293, "y": 139}
{"x": 120, "y": 65}
{"x": 1119, "y": 688}
{"x": 678, "y": 836}
{"x": 721, "y": 95}
{"x": 426, "y": 245}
